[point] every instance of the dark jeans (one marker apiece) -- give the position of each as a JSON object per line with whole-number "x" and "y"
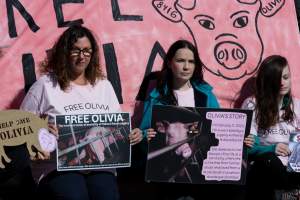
{"x": 20, "y": 186}
{"x": 268, "y": 174}
{"x": 133, "y": 186}
{"x": 79, "y": 186}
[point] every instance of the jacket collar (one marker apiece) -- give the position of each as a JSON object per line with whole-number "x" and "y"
{"x": 201, "y": 90}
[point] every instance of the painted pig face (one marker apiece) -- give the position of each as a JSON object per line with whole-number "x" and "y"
{"x": 225, "y": 32}
{"x": 227, "y": 36}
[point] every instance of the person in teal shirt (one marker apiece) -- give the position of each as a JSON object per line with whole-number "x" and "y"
{"x": 180, "y": 82}
{"x": 276, "y": 115}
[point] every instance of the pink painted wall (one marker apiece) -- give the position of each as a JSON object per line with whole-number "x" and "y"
{"x": 262, "y": 28}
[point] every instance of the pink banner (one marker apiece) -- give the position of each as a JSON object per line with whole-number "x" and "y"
{"x": 233, "y": 36}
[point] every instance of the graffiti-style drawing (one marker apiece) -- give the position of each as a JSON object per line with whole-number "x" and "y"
{"x": 133, "y": 37}
{"x": 227, "y": 35}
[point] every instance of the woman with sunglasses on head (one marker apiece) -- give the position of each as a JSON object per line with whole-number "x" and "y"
{"x": 276, "y": 115}
{"x": 73, "y": 78}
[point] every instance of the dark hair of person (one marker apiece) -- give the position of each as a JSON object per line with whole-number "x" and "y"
{"x": 166, "y": 75}
{"x": 268, "y": 83}
{"x": 58, "y": 60}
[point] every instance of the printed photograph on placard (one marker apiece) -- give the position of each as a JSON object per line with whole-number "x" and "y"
{"x": 198, "y": 145}
{"x": 93, "y": 141}
{"x": 294, "y": 158}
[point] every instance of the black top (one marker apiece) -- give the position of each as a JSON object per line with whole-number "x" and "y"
{"x": 19, "y": 160}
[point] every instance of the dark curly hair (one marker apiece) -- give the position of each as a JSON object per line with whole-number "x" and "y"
{"x": 166, "y": 75}
{"x": 268, "y": 83}
{"x": 58, "y": 60}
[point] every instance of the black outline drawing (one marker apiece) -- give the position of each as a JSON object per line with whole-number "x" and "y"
{"x": 171, "y": 10}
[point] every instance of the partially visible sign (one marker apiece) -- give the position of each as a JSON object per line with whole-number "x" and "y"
{"x": 18, "y": 127}
{"x": 294, "y": 158}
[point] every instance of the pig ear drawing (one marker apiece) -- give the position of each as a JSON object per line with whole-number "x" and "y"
{"x": 248, "y": 1}
{"x": 269, "y": 8}
{"x": 186, "y": 4}
{"x": 167, "y": 9}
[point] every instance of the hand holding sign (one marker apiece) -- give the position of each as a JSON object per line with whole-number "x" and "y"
{"x": 47, "y": 140}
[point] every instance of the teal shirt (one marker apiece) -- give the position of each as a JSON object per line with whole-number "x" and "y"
{"x": 258, "y": 149}
{"x": 154, "y": 99}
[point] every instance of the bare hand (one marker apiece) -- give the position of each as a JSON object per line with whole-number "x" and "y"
{"x": 135, "y": 136}
{"x": 282, "y": 149}
{"x": 53, "y": 129}
{"x": 41, "y": 155}
{"x": 249, "y": 141}
{"x": 151, "y": 133}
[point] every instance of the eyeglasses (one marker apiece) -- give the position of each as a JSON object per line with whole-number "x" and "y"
{"x": 77, "y": 52}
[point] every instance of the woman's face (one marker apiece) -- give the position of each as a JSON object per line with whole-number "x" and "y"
{"x": 285, "y": 86}
{"x": 183, "y": 65}
{"x": 80, "y": 55}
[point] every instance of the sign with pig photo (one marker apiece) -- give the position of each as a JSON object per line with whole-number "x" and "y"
{"x": 198, "y": 145}
{"x": 93, "y": 141}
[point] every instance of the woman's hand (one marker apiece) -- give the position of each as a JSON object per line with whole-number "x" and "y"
{"x": 53, "y": 129}
{"x": 44, "y": 155}
{"x": 282, "y": 149}
{"x": 249, "y": 141}
{"x": 41, "y": 155}
{"x": 151, "y": 133}
{"x": 135, "y": 136}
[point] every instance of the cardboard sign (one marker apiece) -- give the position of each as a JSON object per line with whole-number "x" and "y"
{"x": 18, "y": 127}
